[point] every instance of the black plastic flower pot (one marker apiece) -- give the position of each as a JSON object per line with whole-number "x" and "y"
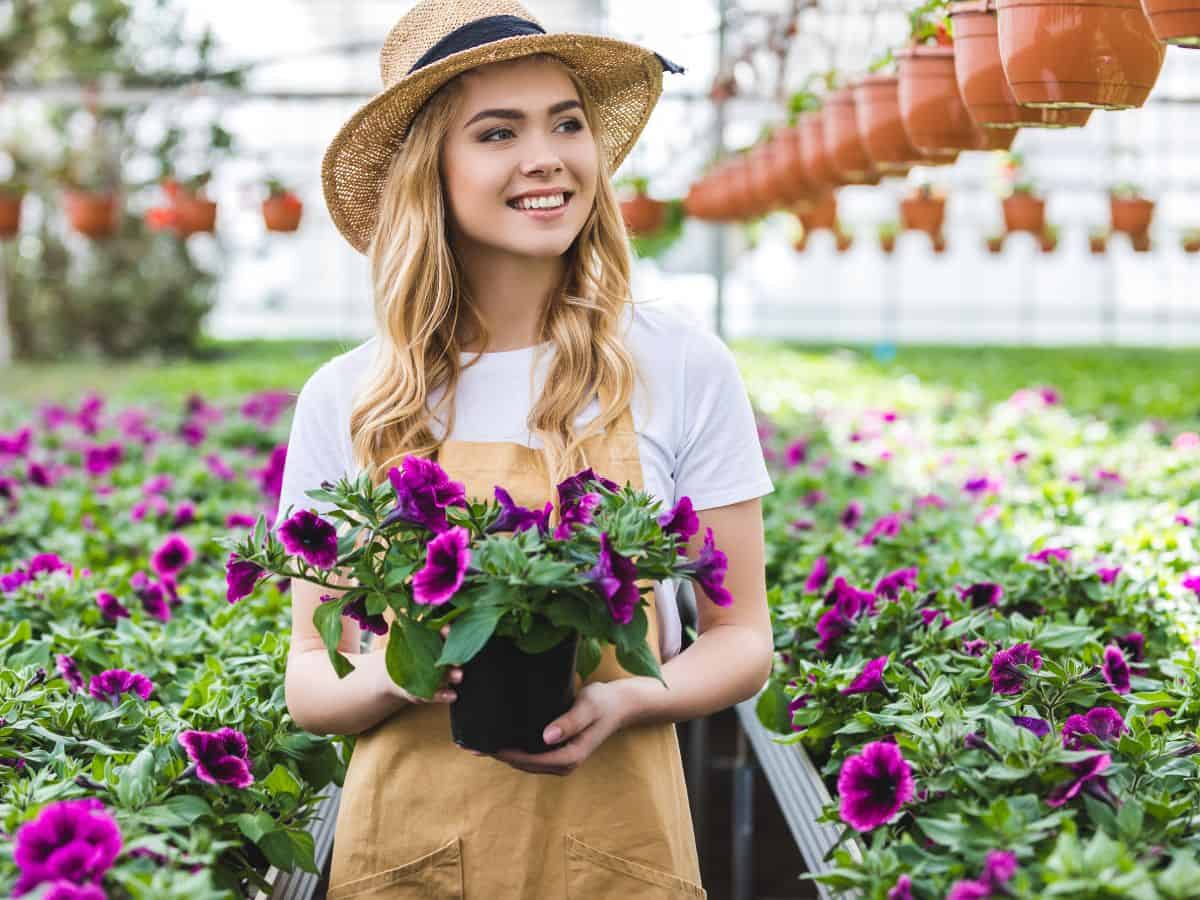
{"x": 508, "y": 697}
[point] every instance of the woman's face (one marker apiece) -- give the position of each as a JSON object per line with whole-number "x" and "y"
{"x": 519, "y": 129}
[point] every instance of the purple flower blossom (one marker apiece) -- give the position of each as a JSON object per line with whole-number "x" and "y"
{"x": 709, "y": 569}
{"x": 72, "y": 841}
{"x": 47, "y": 562}
{"x": 981, "y": 485}
{"x": 220, "y": 756}
{"x": 240, "y": 578}
{"x": 1133, "y": 644}
{"x": 572, "y": 488}
{"x": 1088, "y": 773}
{"x": 818, "y": 576}
{"x": 813, "y": 498}
{"x": 446, "y": 559}
{"x": 998, "y": 869}
{"x": 356, "y": 609}
{"x": 68, "y": 890}
{"x": 851, "y": 515}
{"x": 931, "y": 616}
{"x": 859, "y": 468}
{"x": 929, "y": 500}
{"x": 1040, "y": 727}
{"x": 516, "y": 518}
{"x": 901, "y": 890}
{"x": 185, "y": 514}
{"x": 10, "y": 581}
{"x": 1108, "y": 576}
{"x": 869, "y": 680}
{"x": 219, "y": 467}
{"x": 154, "y": 503}
{"x": 1063, "y": 554}
{"x": 1006, "y": 677}
{"x": 681, "y": 521}
{"x": 101, "y": 459}
{"x": 873, "y": 785}
{"x": 311, "y": 538}
{"x": 577, "y": 512}
{"x": 615, "y": 579}
{"x": 975, "y": 647}
{"x": 240, "y": 520}
{"x": 795, "y": 454}
{"x": 110, "y": 684}
{"x": 1191, "y": 582}
{"x": 70, "y": 671}
{"x": 1102, "y": 721}
{"x": 885, "y": 526}
{"x": 849, "y": 605}
{"x": 1116, "y": 670}
{"x": 890, "y": 585}
{"x": 110, "y": 607}
{"x": 982, "y": 593}
{"x": 423, "y": 492}
{"x": 152, "y": 595}
{"x": 172, "y": 556}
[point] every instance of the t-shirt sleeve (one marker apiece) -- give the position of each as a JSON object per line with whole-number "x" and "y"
{"x": 314, "y": 452}
{"x": 719, "y": 460}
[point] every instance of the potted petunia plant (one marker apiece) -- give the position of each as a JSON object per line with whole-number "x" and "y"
{"x": 530, "y": 603}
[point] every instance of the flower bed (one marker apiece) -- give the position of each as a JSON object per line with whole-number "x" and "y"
{"x": 145, "y": 746}
{"x": 984, "y": 620}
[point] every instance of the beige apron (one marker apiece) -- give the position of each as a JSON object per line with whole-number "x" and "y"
{"x": 423, "y": 818}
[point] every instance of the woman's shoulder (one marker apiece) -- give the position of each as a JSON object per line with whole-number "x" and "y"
{"x": 668, "y": 336}
{"x": 338, "y": 376}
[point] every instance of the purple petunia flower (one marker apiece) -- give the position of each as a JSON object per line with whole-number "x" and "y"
{"x": 931, "y": 616}
{"x": 240, "y": 578}
{"x": 1108, "y": 575}
{"x": 110, "y": 684}
{"x": 1102, "y": 721}
{"x": 68, "y": 890}
{"x": 974, "y": 647}
{"x": 1116, "y": 670}
{"x": 69, "y": 670}
{"x": 1088, "y": 773}
{"x": 47, "y": 562}
{"x": 998, "y": 869}
{"x": 708, "y": 570}
{"x": 73, "y": 841}
{"x": 851, "y": 515}
{"x": 818, "y": 576}
{"x": 172, "y": 557}
{"x": 869, "y": 680}
{"x": 890, "y": 585}
{"x": 185, "y": 514}
{"x": 219, "y": 467}
{"x": 1191, "y": 582}
{"x": 681, "y": 521}
{"x": 873, "y": 785}
{"x": 885, "y": 526}
{"x": 1006, "y": 677}
{"x": 1133, "y": 644}
{"x": 1040, "y": 727}
{"x": 152, "y": 595}
{"x": 615, "y": 579}
{"x": 356, "y": 609}
{"x": 110, "y": 607}
{"x": 446, "y": 559}
{"x": 813, "y": 498}
{"x": 1062, "y": 554}
{"x": 796, "y": 453}
{"x": 220, "y": 756}
{"x": 927, "y": 500}
{"x": 516, "y": 518}
{"x": 423, "y": 491}
{"x": 982, "y": 593}
{"x": 578, "y": 512}
{"x": 901, "y": 890}
{"x": 311, "y": 538}
{"x": 572, "y": 488}
{"x": 240, "y": 520}
{"x": 849, "y": 605}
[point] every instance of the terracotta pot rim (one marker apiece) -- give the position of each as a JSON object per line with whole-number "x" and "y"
{"x": 877, "y": 79}
{"x": 1120, "y": 4}
{"x": 843, "y": 96}
{"x": 972, "y": 7}
{"x": 924, "y": 50}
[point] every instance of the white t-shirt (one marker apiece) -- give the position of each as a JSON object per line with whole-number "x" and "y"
{"x": 696, "y": 431}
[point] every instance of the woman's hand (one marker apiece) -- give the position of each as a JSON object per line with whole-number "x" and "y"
{"x": 598, "y": 712}
{"x": 444, "y": 694}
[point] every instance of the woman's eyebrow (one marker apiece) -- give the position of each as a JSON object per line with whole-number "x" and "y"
{"x": 517, "y": 115}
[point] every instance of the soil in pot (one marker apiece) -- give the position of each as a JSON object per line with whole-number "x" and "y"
{"x": 1131, "y": 215}
{"x": 981, "y": 79}
{"x": 1175, "y": 21}
{"x": 934, "y": 115}
{"x": 508, "y": 697}
{"x": 1024, "y": 212}
{"x": 843, "y": 142}
{"x": 1078, "y": 53}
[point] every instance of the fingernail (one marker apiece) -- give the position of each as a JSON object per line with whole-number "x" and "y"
{"x": 552, "y": 734}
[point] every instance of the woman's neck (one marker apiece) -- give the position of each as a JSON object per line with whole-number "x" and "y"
{"x": 510, "y": 293}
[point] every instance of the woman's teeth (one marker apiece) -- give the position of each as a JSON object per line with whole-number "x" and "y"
{"x": 550, "y": 201}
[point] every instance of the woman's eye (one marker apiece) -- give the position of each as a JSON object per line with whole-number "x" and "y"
{"x": 491, "y": 134}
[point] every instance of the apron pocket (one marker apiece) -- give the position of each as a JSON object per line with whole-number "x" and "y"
{"x": 435, "y": 876}
{"x": 595, "y": 875}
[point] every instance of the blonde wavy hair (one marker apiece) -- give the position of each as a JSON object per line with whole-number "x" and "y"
{"x": 420, "y": 292}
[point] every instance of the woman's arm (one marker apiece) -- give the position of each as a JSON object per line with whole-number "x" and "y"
{"x": 732, "y": 656}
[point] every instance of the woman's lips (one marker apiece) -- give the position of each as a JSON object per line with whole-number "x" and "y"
{"x": 545, "y": 215}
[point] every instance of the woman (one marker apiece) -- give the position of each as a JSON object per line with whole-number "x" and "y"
{"x": 508, "y": 349}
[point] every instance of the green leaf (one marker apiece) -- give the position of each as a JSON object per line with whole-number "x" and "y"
{"x": 254, "y": 825}
{"x": 588, "y": 657}
{"x": 411, "y": 657}
{"x": 638, "y": 660}
{"x": 135, "y": 786}
{"x": 1178, "y": 881}
{"x": 282, "y": 781}
{"x": 469, "y": 633}
{"x": 303, "y": 850}
{"x": 279, "y": 850}
{"x": 327, "y": 618}
{"x": 542, "y": 637}
{"x": 772, "y": 708}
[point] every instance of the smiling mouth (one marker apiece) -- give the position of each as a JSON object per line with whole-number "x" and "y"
{"x": 567, "y": 195}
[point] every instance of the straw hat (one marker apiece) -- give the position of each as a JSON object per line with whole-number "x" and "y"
{"x": 438, "y": 39}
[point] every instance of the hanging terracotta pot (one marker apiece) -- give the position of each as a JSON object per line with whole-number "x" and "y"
{"x": 877, "y": 105}
{"x": 924, "y": 211}
{"x": 994, "y": 138}
{"x": 843, "y": 143}
{"x": 1048, "y": 239}
{"x": 1131, "y": 215}
{"x": 931, "y": 109}
{"x": 1175, "y": 21}
{"x": 1140, "y": 242}
{"x": 194, "y": 213}
{"x": 1025, "y": 212}
{"x": 1191, "y": 242}
{"x": 789, "y": 180}
{"x": 887, "y": 243}
{"x": 816, "y": 160}
{"x": 281, "y": 212}
{"x": 1099, "y": 54}
{"x": 939, "y": 243}
{"x": 845, "y": 241}
{"x": 981, "y": 79}
{"x": 92, "y": 213}
{"x": 995, "y": 244}
{"x": 820, "y": 214}
{"x": 643, "y": 214}
{"x": 1098, "y": 243}
{"x": 10, "y": 213}
{"x": 760, "y": 161}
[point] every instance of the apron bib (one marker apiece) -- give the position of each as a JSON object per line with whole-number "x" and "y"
{"x": 422, "y": 818}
